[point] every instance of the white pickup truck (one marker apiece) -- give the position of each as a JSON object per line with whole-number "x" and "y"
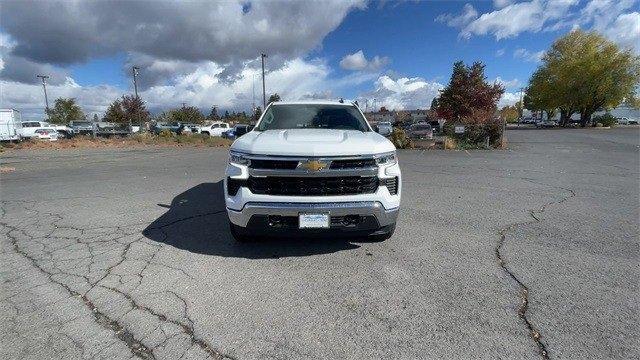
{"x": 29, "y": 129}
{"x": 216, "y": 128}
{"x": 312, "y": 168}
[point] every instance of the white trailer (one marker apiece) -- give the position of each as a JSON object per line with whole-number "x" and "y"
{"x": 10, "y": 125}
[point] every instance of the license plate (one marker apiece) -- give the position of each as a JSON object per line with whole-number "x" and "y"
{"x": 313, "y": 221}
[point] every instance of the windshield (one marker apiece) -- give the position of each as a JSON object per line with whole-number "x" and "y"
{"x": 312, "y": 116}
{"x": 421, "y": 127}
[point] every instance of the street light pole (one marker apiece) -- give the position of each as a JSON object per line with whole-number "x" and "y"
{"x": 253, "y": 89}
{"x": 44, "y": 86}
{"x": 521, "y": 104}
{"x": 264, "y": 93}
{"x": 135, "y": 89}
{"x": 135, "y": 80}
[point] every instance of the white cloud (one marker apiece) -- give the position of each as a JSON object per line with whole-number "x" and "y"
{"x": 508, "y": 83}
{"x": 171, "y": 36}
{"x": 6, "y": 41}
{"x": 192, "y": 31}
{"x": 468, "y": 14}
{"x": 29, "y": 98}
{"x": 510, "y": 19}
{"x": 202, "y": 86}
{"x": 500, "y": 52}
{"x": 401, "y": 93}
{"x": 499, "y": 4}
{"x": 508, "y": 99}
{"x": 507, "y": 22}
{"x": 357, "y": 61}
{"x": 601, "y": 13}
{"x": 609, "y": 17}
{"x": 529, "y": 56}
{"x": 625, "y": 30}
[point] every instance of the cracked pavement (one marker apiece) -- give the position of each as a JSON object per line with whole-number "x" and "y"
{"x": 519, "y": 254}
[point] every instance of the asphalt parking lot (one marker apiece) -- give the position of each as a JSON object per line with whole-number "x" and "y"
{"x": 120, "y": 253}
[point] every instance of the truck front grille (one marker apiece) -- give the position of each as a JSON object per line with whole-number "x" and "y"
{"x": 276, "y": 164}
{"x": 273, "y": 164}
{"x": 353, "y": 164}
{"x": 313, "y": 186}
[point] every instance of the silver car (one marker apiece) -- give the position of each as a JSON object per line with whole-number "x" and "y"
{"x": 421, "y": 131}
{"x": 384, "y": 128}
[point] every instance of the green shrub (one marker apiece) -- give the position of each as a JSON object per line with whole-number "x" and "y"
{"x": 606, "y": 120}
{"x": 400, "y": 139}
{"x": 475, "y": 135}
{"x": 166, "y": 133}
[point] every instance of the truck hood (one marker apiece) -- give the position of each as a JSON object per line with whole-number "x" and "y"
{"x": 312, "y": 142}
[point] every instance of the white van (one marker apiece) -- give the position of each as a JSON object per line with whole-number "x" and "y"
{"x": 10, "y": 125}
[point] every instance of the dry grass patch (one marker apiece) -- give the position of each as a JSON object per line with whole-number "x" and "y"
{"x": 137, "y": 140}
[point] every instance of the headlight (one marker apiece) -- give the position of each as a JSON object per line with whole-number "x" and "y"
{"x": 238, "y": 158}
{"x": 387, "y": 159}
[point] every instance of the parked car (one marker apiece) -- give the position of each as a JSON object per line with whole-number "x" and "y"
{"x": 191, "y": 127}
{"x": 10, "y": 125}
{"x": 546, "y": 123}
{"x": 435, "y": 125}
{"x": 237, "y": 131}
{"x": 216, "y": 128}
{"x": 277, "y": 186}
{"x": 173, "y": 127}
{"x": 81, "y": 127}
{"x": 29, "y": 129}
{"x": 627, "y": 121}
{"x": 49, "y": 134}
{"x": 228, "y": 134}
{"x": 420, "y": 131}
{"x": 384, "y": 128}
{"x": 527, "y": 120}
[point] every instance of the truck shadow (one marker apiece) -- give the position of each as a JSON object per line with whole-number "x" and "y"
{"x": 197, "y": 222}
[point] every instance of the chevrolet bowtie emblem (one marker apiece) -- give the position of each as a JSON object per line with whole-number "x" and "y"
{"x": 313, "y": 165}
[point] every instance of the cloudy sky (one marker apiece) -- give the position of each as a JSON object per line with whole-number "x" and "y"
{"x": 206, "y": 53}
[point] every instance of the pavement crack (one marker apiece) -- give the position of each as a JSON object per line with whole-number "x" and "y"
{"x": 135, "y": 346}
{"x": 187, "y": 329}
{"x": 524, "y": 289}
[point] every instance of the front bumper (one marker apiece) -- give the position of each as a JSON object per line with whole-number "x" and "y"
{"x": 362, "y": 209}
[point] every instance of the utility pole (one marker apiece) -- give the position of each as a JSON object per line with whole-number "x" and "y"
{"x": 253, "y": 89}
{"x": 135, "y": 89}
{"x": 521, "y": 104}
{"x": 264, "y": 93}
{"x": 135, "y": 80}
{"x": 44, "y": 86}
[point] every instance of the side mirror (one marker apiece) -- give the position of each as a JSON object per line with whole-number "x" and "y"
{"x": 376, "y": 128}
